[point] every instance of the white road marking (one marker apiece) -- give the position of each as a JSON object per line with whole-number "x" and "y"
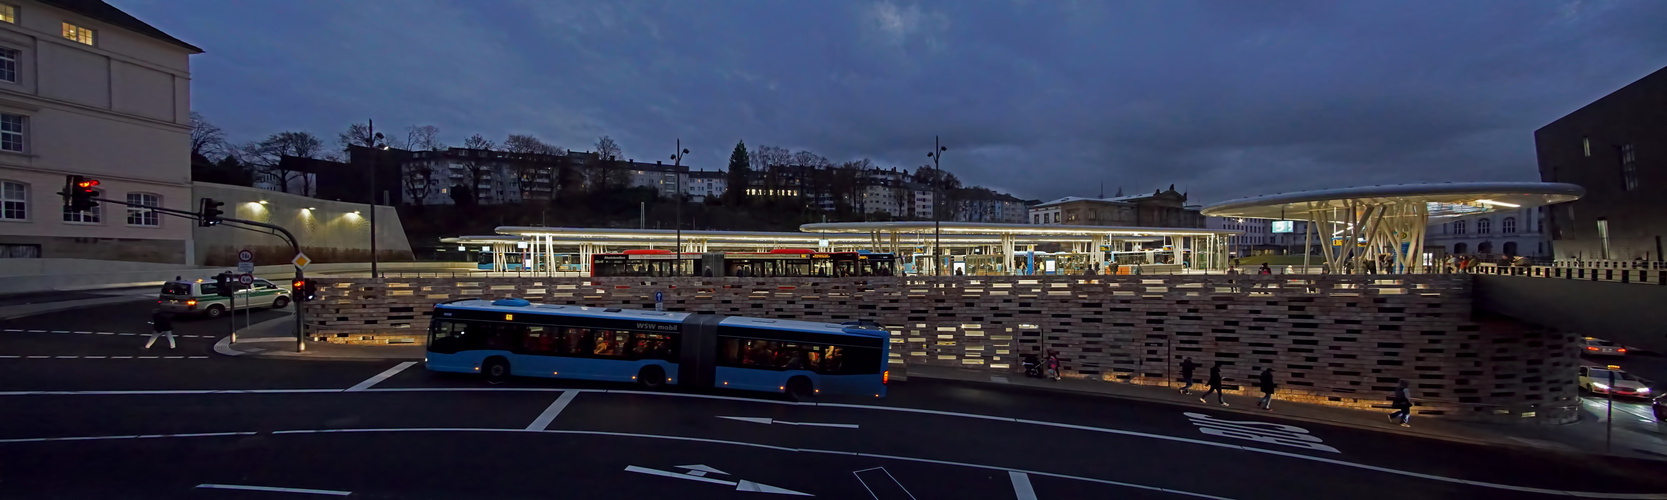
{"x": 768, "y": 421}
{"x": 134, "y": 436}
{"x": 37, "y": 331}
{"x": 697, "y": 475}
{"x": 381, "y": 376}
{"x": 661, "y": 473}
{"x": 879, "y": 483}
{"x": 92, "y": 357}
{"x": 149, "y": 357}
{"x": 173, "y": 357}
{"x": 66, "y": 357}
{"x": 8, "y": 357}
{"x": 1261, "y": 432}
{"x": 60, "y": 331}
{"x": 121, "y": 357}
{"x": 127, "y": 334}
{"x": 14, "y": 329}
{"x": 701, "y": 468}
{"x": 106, "y": 333}
{"x": 196, "y": 357}
{"x": 84, "y": 333}
{"x": 549, "y": 415}
{"x": 274, "y": 489}
{"x": 1021, "y": 485}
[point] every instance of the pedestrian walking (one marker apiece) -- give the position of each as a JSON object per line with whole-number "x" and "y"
{"x": 1053, "y": 364}
{"x": 1215, "y": 385}
{"x": 1264, "y": 269}
{"x": 1267, "y": 386}
{"x": 1187, "y": 367}
{"x": 161, "y": 324}
{"x": 1402, "y": 403}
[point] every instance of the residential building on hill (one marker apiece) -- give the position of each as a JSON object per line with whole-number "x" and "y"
{"x": 1159, "y": 209}
{"x": 87, "y": 89}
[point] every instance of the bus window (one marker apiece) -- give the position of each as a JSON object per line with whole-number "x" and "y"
{"x": 538, "y": 339}
{"x": 610, "y": 343}
{"x": 498, "y": 337}
{"x": 575, "y": 341}
{"x": 653, "y": 346}
{"x": 451, "y": 337}
{"x": 797, "y": 357}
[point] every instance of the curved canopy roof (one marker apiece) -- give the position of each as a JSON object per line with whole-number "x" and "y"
{"x": 1444, "y": 199}
{"x": 993, "y": 228}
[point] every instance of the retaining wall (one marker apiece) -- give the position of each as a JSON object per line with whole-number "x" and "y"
{"x": 1336, "y": 340}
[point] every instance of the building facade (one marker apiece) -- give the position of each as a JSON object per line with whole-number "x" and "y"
{"x": 86, "y": 89}
{"x": 704, "y": 184}
{"x": 1506, "y": 233}
{"x": 1616, "y": 148}
{"x": 995, "y": 207}
{"x": 1258, "y": 237}
{"x": 1159, "y": 209}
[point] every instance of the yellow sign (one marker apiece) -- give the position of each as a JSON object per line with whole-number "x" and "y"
{"x": 301, "y": 260}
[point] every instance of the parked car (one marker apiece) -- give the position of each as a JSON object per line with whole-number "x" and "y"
{"x": 1597, "y": 380}
{"x": 203, "y": 297}
{"x": 1599, "y": 347}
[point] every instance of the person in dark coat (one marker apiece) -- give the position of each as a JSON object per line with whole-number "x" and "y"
{"x": 1215, "y": 385}
{"x": 1187, "y": 367}
{"x": 161, "y": 324}
{"x": 1267, "y": 386}
{"x": 1401, "y": 401}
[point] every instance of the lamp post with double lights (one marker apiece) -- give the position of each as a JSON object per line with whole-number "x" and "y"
{"x": 937, "y": 197}
{"x": 676, "y": 166}
{"x": 377, "y": 145}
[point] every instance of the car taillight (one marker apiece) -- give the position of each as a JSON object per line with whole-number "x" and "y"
{"x": 885, "y": 378}
{"x": 1590, "y": 348}
{"x": 1623, "y": 349}
{"x": 192, "y": 302}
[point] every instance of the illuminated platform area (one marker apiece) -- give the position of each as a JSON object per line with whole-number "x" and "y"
{"x": 1386, "y": 223}
{"x": 967, "y": 248}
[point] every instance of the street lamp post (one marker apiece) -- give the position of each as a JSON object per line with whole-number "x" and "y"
{"x": 937, "y": 198}
{"x": 376, "y": 147}
{"x": 676, "y": 165}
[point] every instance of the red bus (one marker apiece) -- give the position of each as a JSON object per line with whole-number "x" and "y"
{"x": 775, "y": 263}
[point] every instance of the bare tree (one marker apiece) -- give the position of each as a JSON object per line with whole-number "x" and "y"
{"x": 267, "y": 156}
{"x": 809, "y": 159}
{"x": 206, "y": 138}
{"x": 422, "y": 138}
{"x": 419, "y": 180}
{"x": 358, "y": 134}
{"x": 478, "y": 162}
{"x": 611, "y": 173}
{"x": 528, "y": 169}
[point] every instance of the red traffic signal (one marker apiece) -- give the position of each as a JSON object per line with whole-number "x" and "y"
{"x": 79, "y": 193}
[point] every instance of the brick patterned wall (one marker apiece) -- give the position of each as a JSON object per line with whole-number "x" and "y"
{"x": 1336, "y": 340}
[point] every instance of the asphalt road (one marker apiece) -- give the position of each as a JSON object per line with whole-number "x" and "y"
{"x": 78, "y": 420}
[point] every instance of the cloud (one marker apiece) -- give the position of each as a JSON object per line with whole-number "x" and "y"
{"x": 1044, "y": 99}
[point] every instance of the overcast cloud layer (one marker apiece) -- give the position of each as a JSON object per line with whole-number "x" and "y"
{"x": 1041, "y": 98}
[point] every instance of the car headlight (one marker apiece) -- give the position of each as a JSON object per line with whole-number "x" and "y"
{"x": 1600, "y": 386}
{"x": 1643, "y": 390}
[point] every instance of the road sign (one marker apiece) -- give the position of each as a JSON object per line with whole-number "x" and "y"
{"x": 246, "y": 279}
{"x": 246, "y": 267}
{"x": 300, "y": 260}
{"x": 245, "y": 255}
{"x": 659, "y": 301}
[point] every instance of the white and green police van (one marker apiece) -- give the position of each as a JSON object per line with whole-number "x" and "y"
{"x": 203, "y": 297}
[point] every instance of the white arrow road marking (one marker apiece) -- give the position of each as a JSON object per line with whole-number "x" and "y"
{"x": 698, "y": 471}
{"x": 274, "y": 489}
{"x": 768, "y": 421}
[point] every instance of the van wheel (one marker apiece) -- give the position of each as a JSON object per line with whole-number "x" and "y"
{"x": 214, "y": 311}
{"x": 799, "y": 389}
{"x": 495, "y": 369}
{"x": 651, "y": 377}
{"x": 280, "y": 303}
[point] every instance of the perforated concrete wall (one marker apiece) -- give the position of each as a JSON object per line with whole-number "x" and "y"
{"x": 1336, "y": 340}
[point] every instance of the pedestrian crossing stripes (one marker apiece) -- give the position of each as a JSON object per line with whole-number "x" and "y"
{"x": 123, "y": 334}
{"x": 8, "y": 356}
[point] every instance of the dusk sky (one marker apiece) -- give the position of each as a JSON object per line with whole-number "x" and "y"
{"x": 1039, "y": 98}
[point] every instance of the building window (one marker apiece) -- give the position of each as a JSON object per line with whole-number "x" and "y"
{"x": 89, "y": 216}
{"x": 1511, "y": 248}
{"x": 11, "y": 132}
{"x": 78, "y": 34}
{"x": 1508, "y": 226}
{"x": 1458, "y": 227}
{"x": 14, "y": 200}
{"x": 1459, "y": 249}
{"x": 1484, "y": 226}
{"x": 1586, "y": 146}
{"x": 1603, "y": 234}
{"x": 8, "y": 13}
{"x": 8, "y": 65}
{"x": 140, "y": 216}
{"x": 1629, "y": 168}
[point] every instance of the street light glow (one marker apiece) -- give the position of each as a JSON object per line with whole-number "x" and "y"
{"x": 1499, "y": 203}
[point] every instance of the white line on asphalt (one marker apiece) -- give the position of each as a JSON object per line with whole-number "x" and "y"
{"x": 196, "y": 357}
{"x": 84, "y": 333}
{"x": 106, "y": 333}
{"x": 1021, "y": 485}
{"x": 37, "y": 331}
{"x": 126, "y": 334}
{"x": 121, "y": 357}
{"x": 149, "y": 357}
{"x": 173, "y": 357}
{"x": 39, "y": 357}
{"x": 274, "y": 488}
{"x": 93, "y": 357}
{"x": 549, "y": 415}
{"x": 381, "y": 376}
{"x": 60, "y": 331}
{"x": 8, "y": 357}
{"x": 131, "y": 436}
{"x": 14, "y": 329}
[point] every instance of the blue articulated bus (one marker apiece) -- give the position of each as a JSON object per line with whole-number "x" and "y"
{"x": 514, "y": 337}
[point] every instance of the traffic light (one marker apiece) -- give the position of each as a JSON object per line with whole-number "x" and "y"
{"x": 224, "y": 285}
{"x": 305, "y": 290}
{"x": 79, "y": 193}
{"x": 209, "y": 212}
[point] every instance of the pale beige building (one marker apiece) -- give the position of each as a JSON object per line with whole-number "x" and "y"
{"x": 88, "y": 89}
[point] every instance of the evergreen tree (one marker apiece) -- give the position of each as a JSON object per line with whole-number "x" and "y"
{"x": 740, "y": 169}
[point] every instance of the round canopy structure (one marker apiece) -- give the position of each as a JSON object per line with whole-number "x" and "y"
{"x": 1386, "y": 223}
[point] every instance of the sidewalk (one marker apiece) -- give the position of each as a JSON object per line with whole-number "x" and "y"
{"x": 1585, "y": 436}
{"x": 275, "y": 338}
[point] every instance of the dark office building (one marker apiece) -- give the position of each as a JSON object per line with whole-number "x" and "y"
{"x": 1616, "y": 148}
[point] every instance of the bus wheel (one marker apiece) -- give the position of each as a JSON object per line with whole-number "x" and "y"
{"x": 652, "y": 377}
{"x": 799, "y": 389}
{"x": 495, "y": 369}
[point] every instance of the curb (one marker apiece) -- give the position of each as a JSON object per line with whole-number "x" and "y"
{"x": 1397, "y": 431}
